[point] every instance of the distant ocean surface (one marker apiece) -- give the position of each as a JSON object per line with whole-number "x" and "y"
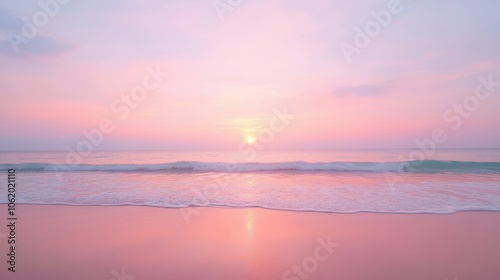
{"x": 340, "y": 181}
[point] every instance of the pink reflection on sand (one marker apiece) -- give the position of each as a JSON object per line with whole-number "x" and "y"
{"x": 65, "y": 242}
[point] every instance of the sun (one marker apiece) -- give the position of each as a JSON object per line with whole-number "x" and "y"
{"x": 250, "y": 140}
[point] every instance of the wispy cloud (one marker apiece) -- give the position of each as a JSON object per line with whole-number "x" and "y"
{"x": 13, "y": 44}
{"x": 365, "y": 89}
{"x": 9, "y": 21}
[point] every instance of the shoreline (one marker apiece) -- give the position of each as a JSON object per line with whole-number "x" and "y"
{"x": 252, "y": 207}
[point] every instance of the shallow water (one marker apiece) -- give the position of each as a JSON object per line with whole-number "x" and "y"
{"x": 331, "y": 181}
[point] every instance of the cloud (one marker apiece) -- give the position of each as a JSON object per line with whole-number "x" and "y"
{"x": 9, "y": 21}
{"x": 365, "y": 90}
{"x": 38, "y": 45}
{"x": 14, "y": 44}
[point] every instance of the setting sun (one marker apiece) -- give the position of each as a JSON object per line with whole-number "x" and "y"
{"x": 250, "y": 140}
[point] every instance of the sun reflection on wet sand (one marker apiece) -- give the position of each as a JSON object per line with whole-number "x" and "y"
{"x": 249, "y": 225}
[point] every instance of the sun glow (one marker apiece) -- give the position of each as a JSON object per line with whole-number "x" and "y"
{"x": 250, "y": 140}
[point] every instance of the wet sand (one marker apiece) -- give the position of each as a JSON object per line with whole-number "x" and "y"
{"x": 146, "y": 243}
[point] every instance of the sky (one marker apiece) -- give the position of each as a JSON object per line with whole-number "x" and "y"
{"x": 281, "y": 74}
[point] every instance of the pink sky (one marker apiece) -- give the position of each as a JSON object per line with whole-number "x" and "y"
{"x": 227, "y": 77}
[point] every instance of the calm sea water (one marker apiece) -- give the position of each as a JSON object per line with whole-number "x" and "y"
{"x": 341, "y": 181}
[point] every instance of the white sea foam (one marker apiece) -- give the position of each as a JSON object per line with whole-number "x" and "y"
{"x": 330, "y": 192}
{"x": 298, "y": 181}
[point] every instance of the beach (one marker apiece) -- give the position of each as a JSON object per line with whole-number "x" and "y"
{"x": 266, "y": 140}
{"x": 137, "y": 242}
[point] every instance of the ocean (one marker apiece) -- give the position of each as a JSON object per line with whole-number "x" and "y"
{"x": 337, "y": 181}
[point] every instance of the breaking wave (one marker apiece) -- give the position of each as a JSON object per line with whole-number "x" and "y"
{"x": 425, "y": 166}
